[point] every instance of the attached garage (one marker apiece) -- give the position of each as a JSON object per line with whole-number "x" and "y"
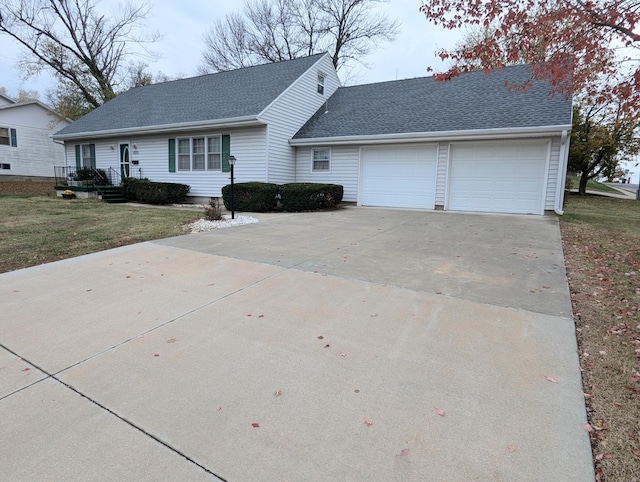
{"x": 399, "y": 176}
{"x": 498, "y": 177}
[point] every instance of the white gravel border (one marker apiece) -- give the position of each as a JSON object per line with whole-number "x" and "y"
{"x": 202, "y": 224}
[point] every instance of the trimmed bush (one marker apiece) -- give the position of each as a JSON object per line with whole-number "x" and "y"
{"x": 306, "y": 196}
{"x": 149, "y": 192}
{"x": 255, "y": 197}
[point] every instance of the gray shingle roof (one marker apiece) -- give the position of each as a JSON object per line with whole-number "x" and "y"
{"x": 224, "y": 95}
{"x": 471, "y": 101}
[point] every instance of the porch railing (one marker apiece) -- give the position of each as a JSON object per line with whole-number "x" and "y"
{"x": 86, "y": 176}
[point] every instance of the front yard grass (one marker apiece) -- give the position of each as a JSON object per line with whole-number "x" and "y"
{"x": 36, "y": 229}
{"x": 601, "y": 238}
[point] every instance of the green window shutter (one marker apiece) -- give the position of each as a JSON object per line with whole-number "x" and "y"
{"x": 14, "y": 138}
{"x": 92, "y": 149}
{"x": 78, "y": 158}
{"x": 172, "y": 155}
{"x": 226, "y": 150}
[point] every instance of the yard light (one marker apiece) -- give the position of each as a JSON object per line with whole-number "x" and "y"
{"x": 232, "y": 162}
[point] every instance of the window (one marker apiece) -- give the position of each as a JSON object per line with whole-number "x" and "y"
{"x": 213, "y": 153}
{"x": 320, "y": 159}
{"x": 199, "y": 154}
{"x": 87, "y": 157}
{"x": 320, "y": 84}
{"x": 8, "y": 137}
{"x": 5, "y": 166}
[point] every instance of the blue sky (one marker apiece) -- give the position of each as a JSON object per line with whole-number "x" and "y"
{"x": 183, "y": 24}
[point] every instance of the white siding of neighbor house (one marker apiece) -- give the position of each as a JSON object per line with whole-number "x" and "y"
{"x": 289, "y": 112}
{"x": 344, "y": 167}
{"x": 36, "y": 154}
{"x": 152, "y": 154}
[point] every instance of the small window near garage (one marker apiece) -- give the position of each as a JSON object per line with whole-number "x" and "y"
{"x": 8, "y": 137}
{"x": 320, "y": 84}
{"x": 5, "y": 166}
{"x": 321, "y": 159}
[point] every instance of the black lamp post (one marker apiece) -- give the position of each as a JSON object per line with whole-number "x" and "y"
{"x": 232, "y": 162}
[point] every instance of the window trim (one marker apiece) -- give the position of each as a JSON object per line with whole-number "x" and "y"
{"x": 328, "y": 160}
{"x": 205, "y": 154}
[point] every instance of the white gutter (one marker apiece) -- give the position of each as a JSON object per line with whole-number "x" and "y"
{"x": 183, "y": 126}
{"x": 474, "y": 134}
{"x": 562, "y": 172}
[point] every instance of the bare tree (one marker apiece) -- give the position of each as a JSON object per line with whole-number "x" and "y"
{"x": 84, "y": 48}
{"x": 274, "y": 30}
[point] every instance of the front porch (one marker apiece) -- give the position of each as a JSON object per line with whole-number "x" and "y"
{"x": 90, "y": 183}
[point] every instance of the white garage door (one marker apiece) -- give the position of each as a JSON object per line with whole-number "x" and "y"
{"x": 399, "y": 176}
{"x": 499, "y": 177}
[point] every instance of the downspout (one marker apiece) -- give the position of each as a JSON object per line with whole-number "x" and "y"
{"x": 562, "y": 172}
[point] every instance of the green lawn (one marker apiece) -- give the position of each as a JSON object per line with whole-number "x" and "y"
{"x": 40, "y": 229}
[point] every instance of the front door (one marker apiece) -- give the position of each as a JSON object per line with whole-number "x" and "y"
{"x": 125, "y": 161}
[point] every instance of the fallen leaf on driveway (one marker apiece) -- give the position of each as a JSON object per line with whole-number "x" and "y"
{"x": 511, "y": 448}
{"x": 260, "y": 316}
{"x": 551, "y": 379}
{"x": 404, "y": 453}
{"x": 156, "y": 354}
{"x": 587, "y": 427}
{"x": 255, "y": 425}
{"x": 219, "y": 407}
{"x": 367, "y": 422}
{"x": 327, "y": 345}
{"x": 26, "y": 369}
{"x": 277, "y": 393}
{"x": 172, "y": 340}
{"x": 321, "y": 337}
{"x": 343, "y": 354}
{"x": 440, "y": 412}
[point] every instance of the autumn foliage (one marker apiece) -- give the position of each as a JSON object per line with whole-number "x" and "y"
{"x": 576, "y": 45}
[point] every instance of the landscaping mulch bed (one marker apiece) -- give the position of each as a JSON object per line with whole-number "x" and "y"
{"x": 32, "y": 188}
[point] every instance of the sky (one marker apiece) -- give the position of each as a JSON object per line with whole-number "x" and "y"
{"x": 183, "y": 24}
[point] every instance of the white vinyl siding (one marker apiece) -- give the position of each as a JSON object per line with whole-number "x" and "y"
{"x": 288, "y": 113}
{"x": 247, "y": 145}
{"x": 33, "y": 152}
{"x": 344, "y": 169}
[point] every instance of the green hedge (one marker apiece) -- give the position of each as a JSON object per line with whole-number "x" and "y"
{"x": 149, "y": 192}
{"x": 306, "y": 196}
{"x": 297, "y": 196}
{"x": 256, "y": 197}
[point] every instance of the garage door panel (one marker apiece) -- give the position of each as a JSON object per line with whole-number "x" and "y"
{"x": 399, "y": 177}
{"x": 497, "y": 177}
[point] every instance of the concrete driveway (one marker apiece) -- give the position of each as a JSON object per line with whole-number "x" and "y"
{"x": 359, "y": 344}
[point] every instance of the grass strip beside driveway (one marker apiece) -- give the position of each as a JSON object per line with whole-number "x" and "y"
{"x": 41, "y": 229}
{"x": 601, "y": 238}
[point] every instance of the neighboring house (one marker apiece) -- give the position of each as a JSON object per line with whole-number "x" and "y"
{"x": 26, "y": 147}
{"x": 470, "y": 144}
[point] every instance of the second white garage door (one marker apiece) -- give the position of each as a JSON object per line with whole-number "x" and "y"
{"x": 499, "y": 177}
{"x": 399, "y": 176}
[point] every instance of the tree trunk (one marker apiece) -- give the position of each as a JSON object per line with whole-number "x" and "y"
{"x": 582, "y": 189}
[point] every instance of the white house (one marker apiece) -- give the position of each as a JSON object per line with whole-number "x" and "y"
{"x": 26, "y": 147}
{"x": 469, "y": 144}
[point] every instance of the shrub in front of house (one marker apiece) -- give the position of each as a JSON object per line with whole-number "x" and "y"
{"x": 257, "y": 197}
{"x": 307, "y": 196}
{"x": 149, "y": 192}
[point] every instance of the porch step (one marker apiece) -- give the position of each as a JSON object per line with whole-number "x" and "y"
{"x": 112, "y": 194}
